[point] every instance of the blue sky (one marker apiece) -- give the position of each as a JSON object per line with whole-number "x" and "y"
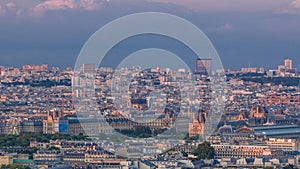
{"x": 256, "y": 33}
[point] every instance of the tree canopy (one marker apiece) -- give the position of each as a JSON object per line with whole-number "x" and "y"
{"x": 204, "y": 151}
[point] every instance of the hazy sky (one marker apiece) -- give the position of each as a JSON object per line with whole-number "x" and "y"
{"x": 256, "y": 33}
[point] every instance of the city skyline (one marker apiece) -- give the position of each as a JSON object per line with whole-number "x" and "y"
{"x": 286, "y": 62}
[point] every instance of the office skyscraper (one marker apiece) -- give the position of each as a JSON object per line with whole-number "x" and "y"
{"x": 88, "y": 68}
{"x": 203, "y": 66}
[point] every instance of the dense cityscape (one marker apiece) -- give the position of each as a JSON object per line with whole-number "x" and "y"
{"x": 44, "y": 123}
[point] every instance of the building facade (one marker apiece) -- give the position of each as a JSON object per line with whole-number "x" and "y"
{"x": 240, "y": 151}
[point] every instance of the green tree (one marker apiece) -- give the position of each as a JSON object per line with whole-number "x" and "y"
{"x": 204, "y": 151}
{"x": 184, "y": 154}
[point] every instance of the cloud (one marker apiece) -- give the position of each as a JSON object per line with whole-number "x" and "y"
{"x": 10, "y": 5}
{"x": 54, "y": 5}
{"x": 229, "y": 5}
{"x": 2, "y": 10}
{"x": 223, "y": 28}
{"x": 39, "y": 8}
{"x": 227, "y": 26}
{"x": 295, "y": 4}
{"x": 49, "y": 5}
{"x": 19, "y": 12}
{"x": 90, "y": 4}
{"x": 291, "y": 9}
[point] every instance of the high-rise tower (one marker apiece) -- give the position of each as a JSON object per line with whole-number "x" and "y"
{"x": 203, "y": 66}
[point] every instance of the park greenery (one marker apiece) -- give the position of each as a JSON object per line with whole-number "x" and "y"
{"x": 285, "y": 81}
{"x": 141, "y": 132}
{"x": 192, "y": 138}
{"x": 263, "y": 79}
{"x": 23, "y": 140}
{"x": 204, "y": 151}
